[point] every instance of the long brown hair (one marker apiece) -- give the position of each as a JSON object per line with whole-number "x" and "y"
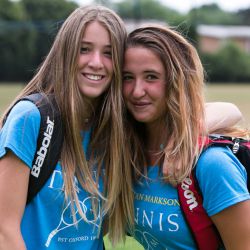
{"x": 57, "y": 76}
{"x": 184, "y": 100}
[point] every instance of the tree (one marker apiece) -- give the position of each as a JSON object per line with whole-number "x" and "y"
{"x": 47, "y": 10}
{"x": 46, "y": 16}
{"x": 147, "y": 9}
{"x": 213, "y": 14}
{"x": 27, "y": 29}
{"x": 10, "y": 11}
{"x": 16, "y": 41}
{"x": 229, "y": 64}
{"x": 244, "y": 16}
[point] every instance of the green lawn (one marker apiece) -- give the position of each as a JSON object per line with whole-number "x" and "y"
{"x": 130, "y": 244}
{"x": 236, "y": 93}
{"x": 7, "y": 93}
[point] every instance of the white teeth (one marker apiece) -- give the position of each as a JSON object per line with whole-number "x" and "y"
{"x": 94, "y": 77}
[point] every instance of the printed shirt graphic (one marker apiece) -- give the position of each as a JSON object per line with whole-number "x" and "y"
{"x": 47, "y": 222}
{"x": 159, "y": 223}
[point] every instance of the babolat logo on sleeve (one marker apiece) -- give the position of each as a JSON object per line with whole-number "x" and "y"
{"x": 42, "y": 151}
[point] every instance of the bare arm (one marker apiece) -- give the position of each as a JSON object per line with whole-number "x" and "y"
{"x": 233, "y": 224}
{"x": 14, "y": 178}
{"x": 221, "y": 115}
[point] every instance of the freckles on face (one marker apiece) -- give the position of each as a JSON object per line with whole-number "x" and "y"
{"x": 95, "y": 68}
{"x": 144, "y": 84}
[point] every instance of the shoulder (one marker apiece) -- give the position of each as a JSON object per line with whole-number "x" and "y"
{"x": 22, "y": 111}
{"x": 20, "y": 131}
{"x": 222, "y": 179}
{"x": 218, "y": 159}
{"x": 219, "y": 164}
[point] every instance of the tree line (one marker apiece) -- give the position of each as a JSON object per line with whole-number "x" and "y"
{"x": 28, "y": 28}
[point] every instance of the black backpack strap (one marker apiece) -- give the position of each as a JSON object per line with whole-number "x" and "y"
{"x": 239, "y": 146}
{"x": 49, "y": 141}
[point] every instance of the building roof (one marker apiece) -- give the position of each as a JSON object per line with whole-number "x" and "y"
{"x": 222, "y": 31}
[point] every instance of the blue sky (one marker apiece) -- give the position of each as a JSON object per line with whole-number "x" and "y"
{"x": 185, "y": 5}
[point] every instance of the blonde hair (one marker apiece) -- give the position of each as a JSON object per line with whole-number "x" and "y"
{"x": 58, "y": 76}
{"x": 184, "y": 100}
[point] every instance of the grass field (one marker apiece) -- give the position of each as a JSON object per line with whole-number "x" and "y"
{"x": 235, "y": 93}
{"x": 238, "y": 94}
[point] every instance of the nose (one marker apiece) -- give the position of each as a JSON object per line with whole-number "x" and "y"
{"x": 138, "y": 90}
{"x": 95, "y": 61}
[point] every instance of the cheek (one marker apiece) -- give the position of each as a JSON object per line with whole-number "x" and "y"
{"x": 109, "y": 66}
{"x": 126, "y": 89}
{"x": 160, "y": 90}
{"x": 82, "y": 60}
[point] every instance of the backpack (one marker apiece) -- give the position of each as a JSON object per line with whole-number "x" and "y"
{"x": 49, "y": 142}
{"x": 203, "y": 230}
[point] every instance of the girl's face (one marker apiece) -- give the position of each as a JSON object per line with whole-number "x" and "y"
{"x": 144, "y": 85}
{"x": 95, "y": 67}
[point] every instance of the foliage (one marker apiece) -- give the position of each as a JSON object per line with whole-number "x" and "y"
{"x": 147, "y": 9}
{"x": 28, "y": 27}
{"x": 244, "y": 16}
{"x": 17, "y": 50}
{"x": 48, "y": 10}
{"x": 212, "y": 14}
{"x": 229, "y": 64}
{"x": 10, "y": 11}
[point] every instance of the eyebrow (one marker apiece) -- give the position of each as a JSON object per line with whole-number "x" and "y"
{"x": 126, "y": 72}
{"x": 90, "y": 43}
{"x": 151, "y": 72}
{"x": 146, "y": 71}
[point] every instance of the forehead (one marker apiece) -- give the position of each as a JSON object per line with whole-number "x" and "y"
{"x": 142, "y": 58}
{"x": 96, "y": 30}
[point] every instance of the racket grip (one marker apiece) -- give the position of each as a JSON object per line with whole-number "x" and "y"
{"x": 51, "y": 235}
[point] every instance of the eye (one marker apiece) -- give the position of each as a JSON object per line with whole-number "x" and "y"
{"x": 84, "y": 50}
{"x": 108, "y": 53}
{"x": 151, "y": 77}
{"x": 127, "y": 77}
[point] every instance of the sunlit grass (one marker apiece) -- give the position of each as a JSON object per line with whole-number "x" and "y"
{"x": 238, "y": 94}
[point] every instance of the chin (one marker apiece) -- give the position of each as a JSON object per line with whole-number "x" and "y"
{"x": 140, "y": 119}
{"x": 92, "y": 94}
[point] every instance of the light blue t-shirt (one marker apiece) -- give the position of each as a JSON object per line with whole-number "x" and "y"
{"x": 159, "y": 222}
{"x": 47, "y": 222}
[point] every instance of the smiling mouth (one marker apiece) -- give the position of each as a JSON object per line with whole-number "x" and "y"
{"x": 93, "y": 77}
{"x": 140, "y": 106}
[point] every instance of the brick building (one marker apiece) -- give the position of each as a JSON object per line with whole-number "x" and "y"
{"x": 213, "y": 37}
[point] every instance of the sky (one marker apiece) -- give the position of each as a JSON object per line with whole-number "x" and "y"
{"x": 184, "y": 6}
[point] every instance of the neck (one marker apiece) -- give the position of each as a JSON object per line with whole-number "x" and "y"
{"x": 90, "y": 109}
{"x": 87, "y": 123}
{"x": 88, "y": 116}
{"x": 155, "y": 143}
{"x": 156, "y": 136}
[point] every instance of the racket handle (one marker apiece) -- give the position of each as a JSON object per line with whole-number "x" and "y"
{"x": 51, "y": 235}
